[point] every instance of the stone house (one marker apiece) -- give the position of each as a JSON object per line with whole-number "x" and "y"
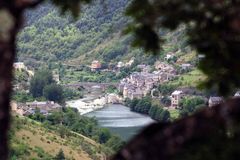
{"x": 96, "y": 65}
{"x": 168, "y": 57}
{"x": 19, "y": 66}
{"x": 214, "y": 101}
{"x": 149, "y": 83}
{"x": 186, "y": 66}
{"x": 25, "y": 109}
{"x": 237, "y": 94}
{"x": 176, "y": 96}
{"x": 136, "y": 94}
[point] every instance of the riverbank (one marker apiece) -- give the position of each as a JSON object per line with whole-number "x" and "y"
{"x": 91, "y": 103}
{"x": 86, "y": 107}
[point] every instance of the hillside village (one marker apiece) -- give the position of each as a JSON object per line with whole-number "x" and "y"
{"x": 139, "y": 84}
{"x": 136, "y": 85}
{"x": 143, "y": 80}
{"x": 30, "y": 108}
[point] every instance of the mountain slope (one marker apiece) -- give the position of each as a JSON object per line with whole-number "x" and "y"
{"x": 33, "y": 140}
{"x": 50, "y": 38}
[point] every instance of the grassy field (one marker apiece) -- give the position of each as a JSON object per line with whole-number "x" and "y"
{"x": 83, "y": 76}
{"x": 186, "y": 58}
{"x": 191, "y": 79}
{"x": 42, "y": 141}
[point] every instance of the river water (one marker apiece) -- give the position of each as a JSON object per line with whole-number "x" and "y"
{"x": 120, "y": 120}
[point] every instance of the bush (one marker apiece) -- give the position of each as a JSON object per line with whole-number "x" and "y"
{"x": 190, "y": 104}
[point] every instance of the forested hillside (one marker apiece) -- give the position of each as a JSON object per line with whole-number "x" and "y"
{"x": 50, "y": 37}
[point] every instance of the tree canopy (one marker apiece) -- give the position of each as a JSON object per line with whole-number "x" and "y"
{"x": 53, "y": 92}
{"x": 191, "y": 104}
{"x": 41, "y": 79}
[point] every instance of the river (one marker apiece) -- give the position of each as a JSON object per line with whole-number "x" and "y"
{"x": 120, "y": 120}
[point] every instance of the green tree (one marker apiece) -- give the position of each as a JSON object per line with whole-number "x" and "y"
{"x": 166, "y": 101}
{"x": 22, "y": 97}
{"x": 133, "y": 104}
{"x": 158, "y": 115}
{"x": 70, "y": 94}
{"x": 55, "y": 118}
{"x": 103, "y": 135}
{"x": 38, "y": 116}
{"x": 115, "y": 143}
{"x": 190, "y": 104}
{"x": 165, "y": 115}
{"x": 166, "y": 89}
{"x": 145, "y": 105}
{"x": 63, "y": 131}
{"x": 53, "y": 92}
{"x": 152, "y": 111}
{"x": 40, "y": 80}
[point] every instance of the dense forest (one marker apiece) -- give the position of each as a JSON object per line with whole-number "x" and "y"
{"x": 48, "y": 38}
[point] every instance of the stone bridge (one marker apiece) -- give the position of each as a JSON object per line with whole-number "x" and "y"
{"x": 88, "y": 85}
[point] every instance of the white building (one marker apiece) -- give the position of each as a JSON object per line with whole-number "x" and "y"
{"x": 56, "y": 77}
{"x": 186, "y": 66}
{"x": 120, "y": 65}
{"x": 214, "y": 101}
{"x": 168, "y": 56}
{"x": 237, "y": 94}
{"x": 19, "y": 66}
{"x": 175, "y": 98}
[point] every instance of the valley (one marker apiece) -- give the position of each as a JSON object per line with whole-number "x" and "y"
{"x": 84, "y": 90}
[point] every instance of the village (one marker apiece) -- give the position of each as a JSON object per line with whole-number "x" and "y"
{"x": 140, "y": 84}
{"x": 137, "y": 85}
